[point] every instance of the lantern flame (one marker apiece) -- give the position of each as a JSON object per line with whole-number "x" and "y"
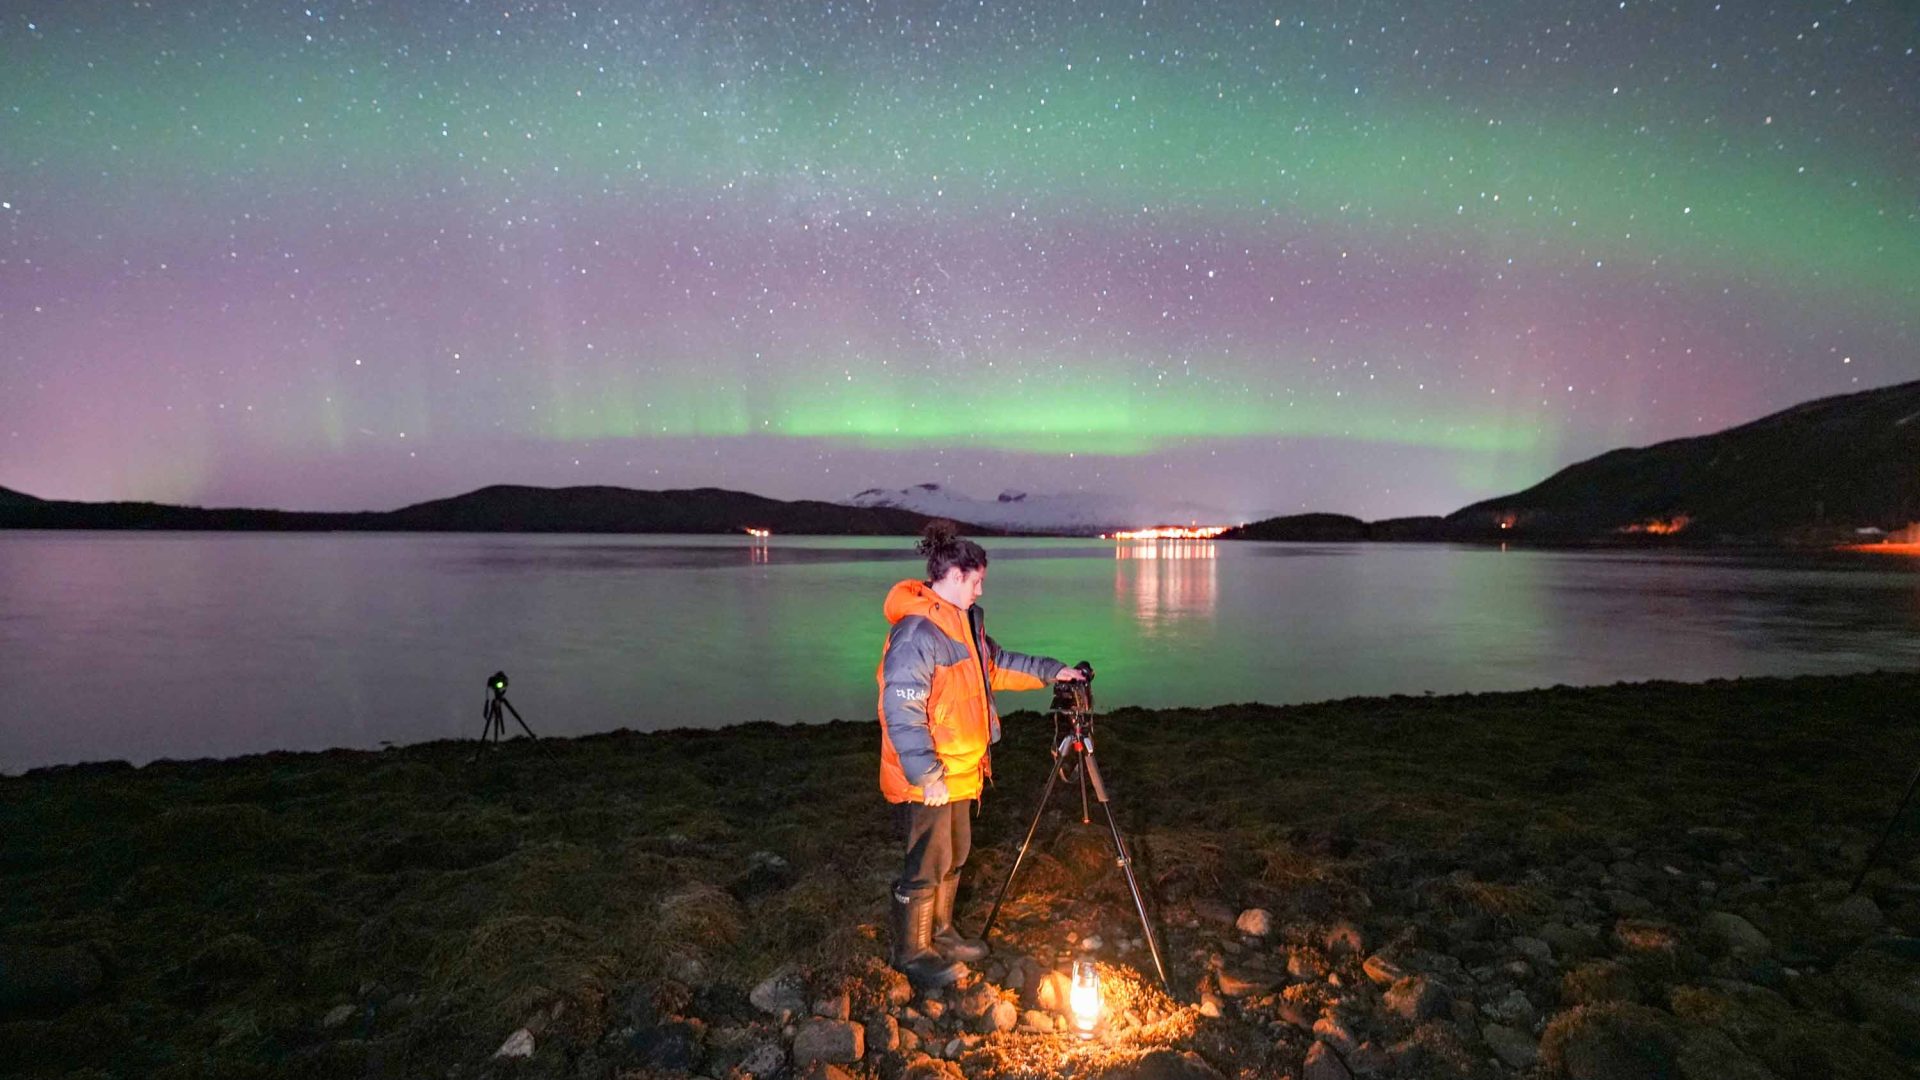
{"x": 1084, "y": 998}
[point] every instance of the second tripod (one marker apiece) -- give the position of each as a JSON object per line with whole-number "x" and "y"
{"x": 495, "y": 709}
{"x": 1073, "y": 759}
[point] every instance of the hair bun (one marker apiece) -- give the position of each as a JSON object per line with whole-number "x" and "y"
{"x": 938, "y": 533}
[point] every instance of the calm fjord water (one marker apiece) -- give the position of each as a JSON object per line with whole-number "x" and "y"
{"x": 142, "y": 646}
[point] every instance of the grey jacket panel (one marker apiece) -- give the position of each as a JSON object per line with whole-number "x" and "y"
{"x": 915, "y": 647}
{"x": 1043, "y": 668}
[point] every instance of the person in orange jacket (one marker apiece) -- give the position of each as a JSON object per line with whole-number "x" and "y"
{"x": 937, "y": 676}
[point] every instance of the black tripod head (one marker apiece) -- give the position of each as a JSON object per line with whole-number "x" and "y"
{"x": 497, "y": 682}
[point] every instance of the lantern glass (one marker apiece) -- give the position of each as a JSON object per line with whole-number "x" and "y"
{"x": 1085, "y": 997}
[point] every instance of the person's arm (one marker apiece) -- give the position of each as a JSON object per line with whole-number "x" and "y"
{"x": 1018, "y": 671}
{"x": 908, "y": 676}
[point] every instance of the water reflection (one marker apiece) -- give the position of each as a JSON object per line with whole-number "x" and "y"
{"x": 1167, "y": 580}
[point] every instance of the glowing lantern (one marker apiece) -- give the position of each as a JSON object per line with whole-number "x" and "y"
{"x": 1084, "y": 998}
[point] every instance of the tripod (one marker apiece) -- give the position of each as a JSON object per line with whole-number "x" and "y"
{"x": 495, "y": 727}
{"x": 1884, "y": 834}
{"x": 1073, "y": 703}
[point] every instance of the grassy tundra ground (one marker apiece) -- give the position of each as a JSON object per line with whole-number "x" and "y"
{"x": 1639, "y": 880}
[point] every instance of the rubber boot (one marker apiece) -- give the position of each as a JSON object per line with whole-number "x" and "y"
{"x": 947, "y": 940}
{"x": 913, "y": 952}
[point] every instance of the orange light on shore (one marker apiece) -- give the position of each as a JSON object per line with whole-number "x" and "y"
{"x": 1171, "y": 532}
{"x": 759, "y": 534}
{"x": 1084, "y": 998}
{"x": 1659, "y": 526}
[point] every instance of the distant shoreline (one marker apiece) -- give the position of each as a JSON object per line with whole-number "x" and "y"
{"x": 1359, "y": 703}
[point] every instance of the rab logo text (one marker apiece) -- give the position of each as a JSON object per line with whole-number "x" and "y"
{"x": 911, "y": 694}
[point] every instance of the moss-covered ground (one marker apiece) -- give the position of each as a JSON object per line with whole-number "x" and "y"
{"x": 443, "y": 893}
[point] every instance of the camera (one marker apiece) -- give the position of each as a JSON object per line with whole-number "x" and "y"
{"x": 1077, "y": 696}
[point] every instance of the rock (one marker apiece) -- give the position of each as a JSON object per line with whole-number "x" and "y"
{"x": 1537, "y": 952}
{"x": 933, "y": 1009}
{"x": 1333, "y": 1031}
{"x": 1211, "y": 1006}
{"x": 1254, "y": 922}
{"x": 1016, "y": 975}
{"x": 1629, "y": 905}
{"x": 1052, "y": 992}
{"x": 1323, "y": 1064}
{"x": 1002, "y": 1017}
{"x": 518, "y": 1045}
{"x": 742, "y": 1052}
{"x": 1854, "y": 919}
{"x": 1036, "y": 1020}
{"x": 820, "y": 1070}
{"x": 883, "y": 1034}
{"x": 1369, "y": 1060}
{"x": 1213, "y": 911}
{"x": 782, "y": 994}
{"x": 1511, "y": 1045}
{"x": 909, "y": 1040}
{"x": 1378, "y": 967}
{"x": 1417, "y": 998}
{"x": 1514, "y": 1010}
{"x": 1885, "y": 990}
{"x": 1167, "y": 1065}
{"x": 1707, "y": 1054}
{"x": 1610, "y": 1042}
{"x": 765, "y": 872}
{"x": 1240, "y": 979}
{"x": 898, "y": 990}
{"x": 1570, "y": 944}
{"x": 1734, "y": 934}
{"x": 977, "y": 1001}
{"x": 1599, "y": 981}
{"x": 833, "y": 1006}
{"x": 673, "y": 1046}
{"x": 828, "y": 1040}
{"x": 336, "y": 1016}
{"x": 1344, "y": 937}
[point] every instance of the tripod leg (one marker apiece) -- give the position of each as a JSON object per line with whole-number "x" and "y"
{"x": 1884, "y": 834}
{"x": 1092, "y": 770}
{"x": 1053, "y": 777}
{"x": 1086, "y": 818}
{"x": 516, "y": 716}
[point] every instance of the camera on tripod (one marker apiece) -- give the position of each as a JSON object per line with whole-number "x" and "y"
{"x": 1075, "y": 696}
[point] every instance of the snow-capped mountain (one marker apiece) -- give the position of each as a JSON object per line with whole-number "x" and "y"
{"x": 1074, "y": 513}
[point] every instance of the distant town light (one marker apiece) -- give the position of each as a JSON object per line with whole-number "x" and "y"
{"x": 1171, "y": 532}
{"x": 1659, "y": 526}
{"x": 759, "y": 534}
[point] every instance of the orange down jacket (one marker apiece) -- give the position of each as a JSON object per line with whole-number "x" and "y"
{"x": 936, "y": 693}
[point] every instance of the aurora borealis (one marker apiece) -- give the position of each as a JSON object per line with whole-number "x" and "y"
{"x": 1371, "y": 258}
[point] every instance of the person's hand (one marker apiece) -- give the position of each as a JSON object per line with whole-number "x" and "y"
{"x": 934, "y": 791}
{"x": 1070, "y": 674}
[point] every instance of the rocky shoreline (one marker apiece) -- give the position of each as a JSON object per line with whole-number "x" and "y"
{"x": 1632, "y": 881}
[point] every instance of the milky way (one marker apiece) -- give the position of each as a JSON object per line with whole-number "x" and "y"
{"x": 1373, "y": 258}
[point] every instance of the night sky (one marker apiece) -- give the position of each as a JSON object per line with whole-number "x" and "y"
{"x": 1376, "y": 258}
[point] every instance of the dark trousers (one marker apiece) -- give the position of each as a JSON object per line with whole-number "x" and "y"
{"x": 938, "y": 840}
